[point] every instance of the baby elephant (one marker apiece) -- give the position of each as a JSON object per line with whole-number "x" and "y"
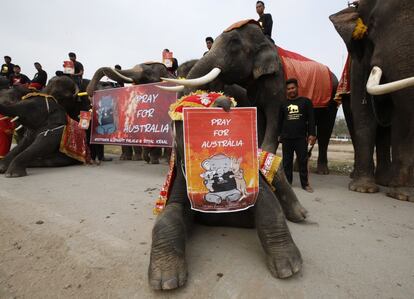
{"x": 168, "y": 268}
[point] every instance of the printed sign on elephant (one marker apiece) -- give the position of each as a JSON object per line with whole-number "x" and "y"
{"x": 134, "y": 115}
{"x": 221, "y": 161}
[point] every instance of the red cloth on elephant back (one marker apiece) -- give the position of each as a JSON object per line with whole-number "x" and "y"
{"x": 73, "y": 143}
{"x": 6, "y": 136}
{"x": 344, "y": 86}
{"x": 315, "y": 81}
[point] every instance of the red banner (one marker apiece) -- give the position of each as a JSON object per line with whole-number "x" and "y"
{"x": 134, "y": 115}
{"x": 221, "y": 160}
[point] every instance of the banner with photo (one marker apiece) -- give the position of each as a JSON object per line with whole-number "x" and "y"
{"x": 221, "y": 162}
{"x": 134, "y": 115}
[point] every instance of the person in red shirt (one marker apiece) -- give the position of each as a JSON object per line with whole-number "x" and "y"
{"x": 18, "y": 78}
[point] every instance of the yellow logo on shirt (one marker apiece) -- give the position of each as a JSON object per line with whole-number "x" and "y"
{"x": 293, "y": 109}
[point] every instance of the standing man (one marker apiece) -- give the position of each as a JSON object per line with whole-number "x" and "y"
{"x": 7, "y": 67}
{"x": 77, "y": 76}
{"x": 40, "y": 78}
{"x": 209, "y": 44}
{"x": 17, "y": 78}
{"x": 265, "y": 19}
{"x": 297, "y": 128}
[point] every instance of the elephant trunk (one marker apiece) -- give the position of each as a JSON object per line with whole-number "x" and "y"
{"x": 111, "y": 73}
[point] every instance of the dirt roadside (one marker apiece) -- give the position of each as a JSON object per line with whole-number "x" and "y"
{"x": 85, "y": 232}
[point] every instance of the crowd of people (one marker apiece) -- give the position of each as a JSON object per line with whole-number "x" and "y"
{"x": 13, "y": 73}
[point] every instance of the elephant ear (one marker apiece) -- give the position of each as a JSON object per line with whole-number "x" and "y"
{"x": 266, "y": 61}
{"x": 346, "y": 22}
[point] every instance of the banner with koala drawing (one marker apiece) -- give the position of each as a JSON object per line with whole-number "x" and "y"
{"x": 221, "y": 161}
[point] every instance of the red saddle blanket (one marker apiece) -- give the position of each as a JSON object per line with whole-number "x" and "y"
{"x": 73, "y": 143}
{"x": 314, "y": 78}
{"x": 6, "y": 136}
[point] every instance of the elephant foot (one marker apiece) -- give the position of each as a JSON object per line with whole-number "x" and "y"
{"x": 382, "y": 178}
{"x": 286, "y": 263}
{"x": 295, "y": 212}
{"x": 322, "y": 169}
{"x": 401, "y": 194}
{"x": 3, "y": 168}
{"x": 363, "y": 185}
{"x": 16, "y": 173}
{"x": 154, "y": 160}
{"x": 136, "y": 157}
{"x": 167, "y": 271}
{"x": 124, "y": 157}
{"x": 146, "y": 157}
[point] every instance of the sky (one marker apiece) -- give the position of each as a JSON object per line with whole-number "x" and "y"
{"x": 129, "y": 32}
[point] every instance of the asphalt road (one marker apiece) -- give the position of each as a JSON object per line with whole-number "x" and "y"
{"x": 85, "y": 232}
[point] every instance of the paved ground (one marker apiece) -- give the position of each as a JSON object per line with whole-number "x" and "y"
{"x": 94, "y": 241}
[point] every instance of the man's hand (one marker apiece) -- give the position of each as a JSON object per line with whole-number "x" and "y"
{"x": 311, "y": 140}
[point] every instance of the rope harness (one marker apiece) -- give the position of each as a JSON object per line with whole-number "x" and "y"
{"x": 47, "y": 97}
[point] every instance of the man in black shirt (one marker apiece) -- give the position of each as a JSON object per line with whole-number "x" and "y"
{"x": 209, "y": 44}
{"x": 77, "y": 76}
{"x": 265, "y": 19}
{"x": 40, "y": 78}
{"x": 297, "y": 129}
{"x": 7, "y": 67}
{"x": 17, "y": 78}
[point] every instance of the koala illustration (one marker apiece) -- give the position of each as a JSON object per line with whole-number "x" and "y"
{"x": 222, "y": 185}
{"x": 208, "y": 179}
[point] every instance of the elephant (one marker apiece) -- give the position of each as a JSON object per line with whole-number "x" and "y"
{"x": 378, "y": 38}
{"x": 244, "y": 56}
{"x": 168, "y": 268}
{"x": 143, "y": 73}
{"x": 44, "y": 119}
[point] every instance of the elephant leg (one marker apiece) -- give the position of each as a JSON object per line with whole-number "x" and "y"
{"x": 146, "y": 154}
{"x": 168, "y": 268}
{"x": 346, "y": 107}
{"x": 24, "y": 143}
{"x": 365, "y": 126}
{"x": 167, "y": 153}
{"x": 57, "y": 159}
{"x": 42, "y": 146}
{"x": 126, "y": 153}
{"x": 283, "y": 257}
{"x": 402, "y": 140}
{"x": 291, "y": 206}
{"x": 383, "y": 153}
{"x": 155, "y": 154}
{"x": 325, "y": 121}
{"x": 137, "y": 153}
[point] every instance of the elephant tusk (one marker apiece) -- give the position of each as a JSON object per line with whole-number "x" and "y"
{"x": 81, "y": 94}
{"x": 375, "y": 88}
{"x": 4, "y": 117}
{"x": 121, "y": 76}
{"x": 18, "y": 128}
{"x": 197, "y": 81}
{"x": 14, "y": 119}
{"x": 171, "y": 88}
